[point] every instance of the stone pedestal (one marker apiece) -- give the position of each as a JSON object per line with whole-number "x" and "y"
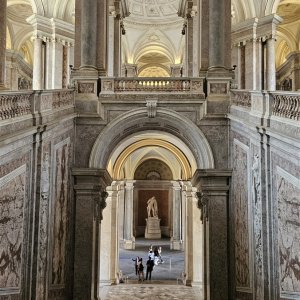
{"x": 153, "y": 228}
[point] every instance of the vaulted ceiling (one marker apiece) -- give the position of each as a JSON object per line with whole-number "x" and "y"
{"x": 153, "y": 27}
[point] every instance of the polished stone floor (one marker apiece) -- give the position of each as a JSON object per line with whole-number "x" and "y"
{"x": 164, "y": 284}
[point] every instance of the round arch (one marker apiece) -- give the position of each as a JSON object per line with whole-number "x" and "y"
{"x": 183, "y": 161}
{"x": 137, "y": 121}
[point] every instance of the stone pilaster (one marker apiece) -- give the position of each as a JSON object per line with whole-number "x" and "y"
{"x": 271, "y": 68}
{"x": 204, "y": 35}
{"x": 266, "y": 32}
{"x": 109, "y": 247}
{"x": 54, "y": 76}
{"x": 88, "y": 33}
{"x": 90, "y": 196}
{"x": 129, "y": 240}
{"x": 129, "y": 70}
{"x": 214, "y": 186}
{"x": 37, "y": 75}
{"x": 114, "y": 42}
{"x": 194, "y": 263}
{"x": 176, "y": 242}
{"x": 102, "y": 45}
{"x": 3, "y": 5}
{"x": 219, "y": 33}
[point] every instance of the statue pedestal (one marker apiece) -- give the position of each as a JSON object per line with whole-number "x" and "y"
{"x": 153, "y": 228}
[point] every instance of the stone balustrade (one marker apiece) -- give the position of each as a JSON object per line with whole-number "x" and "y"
{"x": 158, "y": 84}
{"x": 279, "y": 103}
{"x": 286, "y": 105}
{"x": 241, "y": 98}
{"x": 16, "y": 104}
{"x": 13, "y": 105}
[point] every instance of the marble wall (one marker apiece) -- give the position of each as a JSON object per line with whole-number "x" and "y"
{"x": 288, "y": 199}
{"x": 272, "y": 178}
{"x": 12, "y": 200}
{"x": 60, "y": 199}
{"x": 241, "y": 212}
{"x": 35, "y": 208}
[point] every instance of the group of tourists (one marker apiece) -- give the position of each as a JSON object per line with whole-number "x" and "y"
{"x": 154, "y": 258}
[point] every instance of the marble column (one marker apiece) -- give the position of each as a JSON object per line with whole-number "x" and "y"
{"x": 203, "y": 16}
{"x": 37, "y": 73}
{"x": 271, "y": 68}
{"x": 213, "y": 202}
{"x": 3, "y": 6}
{"x": 114, "y": 43}
{"x": 102, "y": 45}
{"x": 88, "y": 33}
{"x": 129, "y": 240}
{"x": 176, "y": 242}
{"x": 54, "y": 64}
{"x": 219, "y": 33}
{"x": 90, "y": 196}
{"x": 194, "y": 242}
{"x": 109, "y": 247}
{"x": 121, "y": 214}
{"x": 189, "y": 46}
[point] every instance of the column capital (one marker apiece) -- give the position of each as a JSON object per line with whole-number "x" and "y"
{"x": 212, "y": 181}
{"x": 90, "y": 179}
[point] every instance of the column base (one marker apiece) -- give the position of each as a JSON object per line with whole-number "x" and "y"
{"x": 176, "y": 245}
{"x": 107, "y": 282}
{"x": 129, "y": 244}
{"x": 3, "y": 87}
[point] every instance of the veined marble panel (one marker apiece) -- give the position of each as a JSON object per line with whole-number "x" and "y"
{"x": 257, "y": 218}
{"x": 241, "y": 211}
{"x": 60, "y": 205}
{"x": 12, "y": 199}
{"x": 288, "y": 197}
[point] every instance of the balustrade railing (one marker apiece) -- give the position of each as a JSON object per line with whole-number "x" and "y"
{"x": 142, "y": 84}
{"x": 278, "y": 103}
{"x": 286, "y": 105}
{"x": 241, "y": 98}
{"x": 16, "y": 104}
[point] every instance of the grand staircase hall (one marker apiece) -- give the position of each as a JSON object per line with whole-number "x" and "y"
{"x": 126, "y": 124}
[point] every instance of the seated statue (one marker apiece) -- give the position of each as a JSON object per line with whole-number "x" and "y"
{"x": 152, "y": 207}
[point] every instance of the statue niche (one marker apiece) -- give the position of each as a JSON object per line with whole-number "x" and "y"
{"x": 153, "y": 230}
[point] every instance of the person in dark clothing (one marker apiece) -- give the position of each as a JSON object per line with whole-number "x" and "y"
{"x": 136, "y": 262}
{"x": 149, "y": 264}
{"x": 141, "y": 269}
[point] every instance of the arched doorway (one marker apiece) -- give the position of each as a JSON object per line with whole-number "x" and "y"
{"x": 141, "y": 149}
{"x": 107, "y": 168}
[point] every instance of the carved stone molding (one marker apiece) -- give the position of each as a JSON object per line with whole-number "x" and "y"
{"x": 86, "y": 88}
{"x": 100, "y": 204}
{"x": 202, "y": 205}
{"x": 151, "y": 106}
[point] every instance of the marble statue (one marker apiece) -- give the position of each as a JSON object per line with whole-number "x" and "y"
{"x": 152, "y": 207}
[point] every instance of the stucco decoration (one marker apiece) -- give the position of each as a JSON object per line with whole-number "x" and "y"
{"x": 240, "y": 198}
{"x": 12, "y": 198}
{"x": 288, "y": 191}
{"x": 61, "y": 194}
